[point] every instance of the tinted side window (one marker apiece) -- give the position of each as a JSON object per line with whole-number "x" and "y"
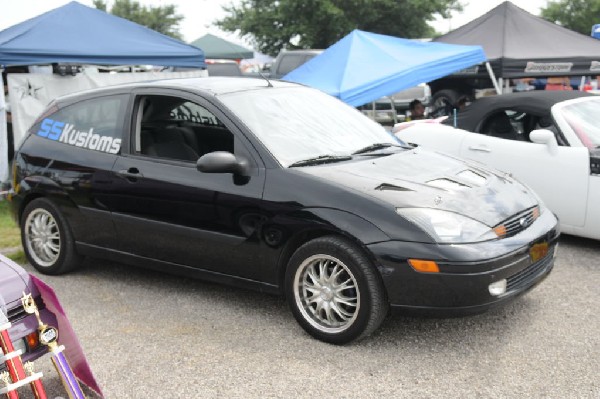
{"x": 94, "y": 124}
{"x": 178, "y": 129}
{"x": 506, "y": 124}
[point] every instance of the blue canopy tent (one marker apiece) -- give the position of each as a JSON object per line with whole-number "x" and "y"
{"x": 75, "y": 33}
{"x": 364, "y": 66}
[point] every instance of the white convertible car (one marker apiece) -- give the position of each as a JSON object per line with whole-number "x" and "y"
{"x": 548, "y": 140}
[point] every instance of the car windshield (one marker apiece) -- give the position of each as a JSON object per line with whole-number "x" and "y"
{"x": 299, "y": 123}
{"x": 584, "y": 119}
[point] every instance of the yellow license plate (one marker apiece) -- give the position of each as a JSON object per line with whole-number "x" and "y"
{"x": 538, "y": 251}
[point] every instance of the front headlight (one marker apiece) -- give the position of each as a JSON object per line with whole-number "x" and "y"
{"x": 448, "y": 227}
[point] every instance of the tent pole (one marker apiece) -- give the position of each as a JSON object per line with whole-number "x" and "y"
{"x": 493, "y": 77}
{"x": 582, "y": 83}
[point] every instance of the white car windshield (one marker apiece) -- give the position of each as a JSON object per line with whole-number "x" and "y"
{"x": 584, "y": 119}
{"x": 300, "y": 123}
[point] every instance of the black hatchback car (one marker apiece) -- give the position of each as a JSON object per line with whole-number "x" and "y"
{"x": 276, "y": 187}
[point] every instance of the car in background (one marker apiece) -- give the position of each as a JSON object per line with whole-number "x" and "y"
{"x": 14, "y": 281}
{"x": 214, "y": 67}
{"x": 386, "y": 110}
{"x": 223, "y": 68}
{"x": 278, "y": 187}
{"x": 288, "y": 60}
{"x": 549, "y": 140}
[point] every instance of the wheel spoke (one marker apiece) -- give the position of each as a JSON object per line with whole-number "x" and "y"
{"x": 337, "y": 270}
{"x": 329, "y": 315}
{"x": 322, "y": 271}
{"x": 313, "y": 276}
{"x": 346, "y": 301}
{"x": 54, "y": 247}
{"x": 345, "y": 285}
{"x": 344, "y": 315}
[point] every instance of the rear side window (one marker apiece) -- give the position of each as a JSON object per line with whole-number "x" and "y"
{"x": 95, "y": 124}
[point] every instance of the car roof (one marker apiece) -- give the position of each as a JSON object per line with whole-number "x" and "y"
{"x": 207, "y": 85}
{"x": 537, "y": 102}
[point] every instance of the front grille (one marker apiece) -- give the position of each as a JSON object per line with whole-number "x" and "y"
{"x": 525, "y": 276}
{"x": 18, "y": 312}
{"x": 516, "y": 224}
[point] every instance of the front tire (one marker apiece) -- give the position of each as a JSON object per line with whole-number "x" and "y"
{"x": 46, "y": 238}
{"x": 334, "y": 290}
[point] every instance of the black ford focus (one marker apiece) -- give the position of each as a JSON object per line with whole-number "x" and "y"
{"x": 280, "y": 188}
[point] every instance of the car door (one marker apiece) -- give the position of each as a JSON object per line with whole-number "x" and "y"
{"x": 72, "y": 151}
{"x": 165, "y": 209}
{"x": 558, "y": 174}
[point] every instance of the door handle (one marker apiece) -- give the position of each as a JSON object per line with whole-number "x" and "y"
{"x": 131, "y": 174}
{"x": 480, "y": 148}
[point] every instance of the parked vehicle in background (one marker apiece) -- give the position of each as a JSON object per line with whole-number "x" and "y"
{"x": 550, "y": 140}
{"x": 288, "y": 60}
{"x": 278, "y": 187}
{"x": 223, "y": 68}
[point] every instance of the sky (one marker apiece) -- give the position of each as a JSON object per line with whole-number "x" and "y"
{"x": 199, "y": 15}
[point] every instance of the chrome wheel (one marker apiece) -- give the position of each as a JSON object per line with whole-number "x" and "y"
{"x": 42, "y": 237}
{"x": 326, "y": 293}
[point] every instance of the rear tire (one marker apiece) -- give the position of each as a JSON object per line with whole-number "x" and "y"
{"x": 47, "y": 239}
{"x": 443, "y": 102}
{"x": 334, "y": 291}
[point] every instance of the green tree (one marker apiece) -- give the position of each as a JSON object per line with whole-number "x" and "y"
{"x": 163, "y": 19}
{"x": 577, "y": 15}
{"x": 275, "y": 24}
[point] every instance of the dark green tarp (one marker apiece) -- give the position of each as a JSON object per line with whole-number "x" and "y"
{"x": 214, "y": 47}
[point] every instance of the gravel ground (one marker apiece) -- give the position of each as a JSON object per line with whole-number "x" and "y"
{"x": 152, "y": 335}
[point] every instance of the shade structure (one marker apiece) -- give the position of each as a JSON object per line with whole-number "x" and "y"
{"x": 75, "y": 33}
{"x": 215, "y": 47}
{"x": 364, "y": 66}
{"x": 519, "y": 44}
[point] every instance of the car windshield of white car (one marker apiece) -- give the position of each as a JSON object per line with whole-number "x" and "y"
{"x": 299, "y": 123}
{"x": 584, "y": 119}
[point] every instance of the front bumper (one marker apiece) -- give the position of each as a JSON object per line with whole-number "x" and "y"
{"x": 466, "y": 270}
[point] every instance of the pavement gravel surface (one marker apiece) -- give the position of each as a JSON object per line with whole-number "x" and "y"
{"x": 153, "y": 335}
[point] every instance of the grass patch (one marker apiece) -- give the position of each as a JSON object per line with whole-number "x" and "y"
{"x": 17, "y": 257}
{"x": 10, "y": 235}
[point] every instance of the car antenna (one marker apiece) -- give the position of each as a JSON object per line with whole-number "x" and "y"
{"x": 269, "y": 84}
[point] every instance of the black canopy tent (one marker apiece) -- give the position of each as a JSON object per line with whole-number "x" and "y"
{"x": 519, "y": 44}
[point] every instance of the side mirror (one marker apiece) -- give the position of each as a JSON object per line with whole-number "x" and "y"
{"x": 544, "y": 136}
{"x": 223, "y": 162}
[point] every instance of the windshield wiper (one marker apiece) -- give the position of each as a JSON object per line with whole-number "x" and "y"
{"x": 375, "y": 147}
{"x": 321, "y": 159}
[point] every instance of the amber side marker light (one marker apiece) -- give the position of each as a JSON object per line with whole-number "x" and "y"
{"x": 424, "y": 266}
{"x": 500, "y": 230}
{"x": 32, "y": 341}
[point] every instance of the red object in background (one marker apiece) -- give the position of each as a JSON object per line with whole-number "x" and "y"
{"x": 16, "y": 370}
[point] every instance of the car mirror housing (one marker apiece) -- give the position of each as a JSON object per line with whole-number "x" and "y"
{"x": 223, "y": 162}
{"x": 544, "y": 136}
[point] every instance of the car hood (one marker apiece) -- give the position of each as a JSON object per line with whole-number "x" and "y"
{"x": 13, "y": 282}
{"x": 426, "y": 179}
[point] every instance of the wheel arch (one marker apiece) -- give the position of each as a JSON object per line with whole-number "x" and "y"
{"x": 336, "y": 223}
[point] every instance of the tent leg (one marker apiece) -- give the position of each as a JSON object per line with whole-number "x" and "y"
{"x": 582, "y": 83}
{"x": 497, "y": 86}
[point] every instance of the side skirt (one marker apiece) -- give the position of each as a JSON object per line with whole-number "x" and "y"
{"x": 174, "y": 268}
